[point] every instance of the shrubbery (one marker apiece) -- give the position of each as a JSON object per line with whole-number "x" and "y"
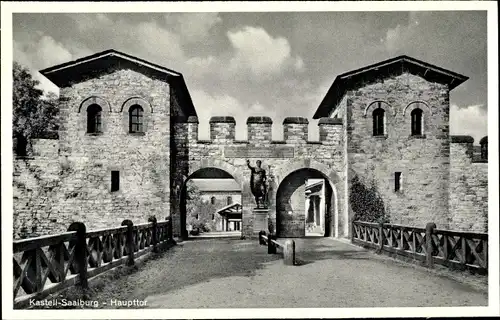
{"x": 366, "y": 202}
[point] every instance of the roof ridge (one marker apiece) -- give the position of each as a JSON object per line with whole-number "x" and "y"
{"x": 105, "y": 53}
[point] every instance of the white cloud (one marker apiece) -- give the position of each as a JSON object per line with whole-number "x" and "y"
{"x": 200, "y": 66}
{"x": 44, "y": 52}
{"x": 255, "y": 50}
{"x": 158, "y": 41}
{"x": 208, "y": 105}
{"x": 52, "y": 51}
{"x": 87, "y": 22}
{"x": 472, "y": 120}
{"x": 193, "y": 26}
{"x": 392, "y": 38}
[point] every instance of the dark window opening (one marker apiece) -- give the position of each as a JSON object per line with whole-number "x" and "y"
{"x": 136, "y": 116}
{"x": 378, "y": 121}
{"x": 212, "y": 200}
{"x": 197, "y": 216}
{"x": 397, "y": 181}
{"x": 213, "y": 216}
{"x": 21, "y": 145}
{"x": 115, "y": 181}
{"x": 229, "y": 200}
{"x": 94, "y": 124}
{"x": 416, "y": 122}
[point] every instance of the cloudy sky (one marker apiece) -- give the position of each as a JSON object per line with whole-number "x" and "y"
{"x": 277, "y": 64}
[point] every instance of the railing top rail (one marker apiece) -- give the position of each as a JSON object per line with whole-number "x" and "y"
{"x": 143, "y": 226}
{"x": 102, "y": 232}
{"x": 400, "y": 226}
{"x": 42, "y": 241}
{"x": 277, "y": 243}
{"x": 466, "y": 234}
{"x": 365, "y": 223}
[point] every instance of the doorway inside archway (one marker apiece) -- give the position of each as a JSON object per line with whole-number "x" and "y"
{"x": 210, "y": 204}
{"x": 305, "y": 205}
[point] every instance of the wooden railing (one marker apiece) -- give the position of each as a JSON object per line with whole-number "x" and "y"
{"x": 454, "y": 249}
{"x": 44, "y": 265}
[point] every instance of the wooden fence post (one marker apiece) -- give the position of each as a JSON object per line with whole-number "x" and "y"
{"x": 81, "y": 252}
{"x": 271, "y": 248}
{"x": 429, "y": 248}
{"x": 380, "y": 237}
{"x": 289, "y": 253}
{"x": 129, "y": 241}
{"x": 154, "y": 233}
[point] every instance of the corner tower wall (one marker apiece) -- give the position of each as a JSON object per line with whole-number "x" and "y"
{"x": 468, "y": 187}
{"x": 142, "y": 159}
{"x": 424, "y": 161}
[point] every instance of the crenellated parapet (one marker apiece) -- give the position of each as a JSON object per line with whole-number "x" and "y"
{"x": 259, "y": 131}
{"x": 330, "y": 130}
{"x": 222, "y": 129}
{"x": 461, "y": 148}
{"x": 295, "y": 130}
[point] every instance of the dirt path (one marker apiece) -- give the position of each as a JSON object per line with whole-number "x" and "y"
{"x": 229, "y": 273}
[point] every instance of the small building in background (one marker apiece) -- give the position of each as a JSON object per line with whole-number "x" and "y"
{"x": 230, "y": 217}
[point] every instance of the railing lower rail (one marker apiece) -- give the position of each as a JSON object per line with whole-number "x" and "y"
{"x": 47, "y": 264}
{"x": 454, "y": 249}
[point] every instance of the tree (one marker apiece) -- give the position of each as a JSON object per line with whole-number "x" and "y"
{"x": 34, "y": 117}
{"x": 198, "y": 211}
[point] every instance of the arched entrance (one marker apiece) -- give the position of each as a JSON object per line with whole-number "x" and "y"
{"x": 305, "y": 205}
{"x": 210, "y": 202}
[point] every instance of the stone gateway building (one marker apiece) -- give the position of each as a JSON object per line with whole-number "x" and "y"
{"x": 128, "y": 143}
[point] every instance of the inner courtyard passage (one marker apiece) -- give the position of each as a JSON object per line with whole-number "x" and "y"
{"x": 233, "y": 273}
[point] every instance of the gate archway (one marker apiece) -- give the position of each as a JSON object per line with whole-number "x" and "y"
{"x": 305, "y": 205}
{"x": 206, "y": 174}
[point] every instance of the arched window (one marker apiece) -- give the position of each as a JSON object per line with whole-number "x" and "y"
{"x": 94, "y": 124}
{"x": 378, "y": 122}
{"x": 484, "y": 148}
{"x": 136, "y": 119}
{"x": 229, "y": 200}
{"x": 416, "y": 122}
{"x": 212, "y": 200}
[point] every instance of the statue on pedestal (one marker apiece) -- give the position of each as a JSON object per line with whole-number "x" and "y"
{"x": 258, "y": 181}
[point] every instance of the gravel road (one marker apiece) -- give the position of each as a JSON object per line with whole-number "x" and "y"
{"x": 231, "y": 273}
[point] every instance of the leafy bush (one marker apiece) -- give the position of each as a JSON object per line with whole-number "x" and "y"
{"x": 366, "y": 202}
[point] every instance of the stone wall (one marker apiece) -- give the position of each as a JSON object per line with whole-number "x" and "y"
{"x": 468, "y": 188}
{"x": 141, "y": 159}
{"x": 69, "y": 179}
{"x": 279, "y": 158}
{"x": 422, "y": 160}
{"x": 86, "y": 160}
{"x": 36, "y": 186}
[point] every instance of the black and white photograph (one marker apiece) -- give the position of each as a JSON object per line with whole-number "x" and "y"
{"x": 227, "y": 160}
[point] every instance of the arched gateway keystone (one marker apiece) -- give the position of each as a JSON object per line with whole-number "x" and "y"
{"x": 154, "y": 167}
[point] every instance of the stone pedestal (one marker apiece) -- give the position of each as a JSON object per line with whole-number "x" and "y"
{"x": 260, "y": 220}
